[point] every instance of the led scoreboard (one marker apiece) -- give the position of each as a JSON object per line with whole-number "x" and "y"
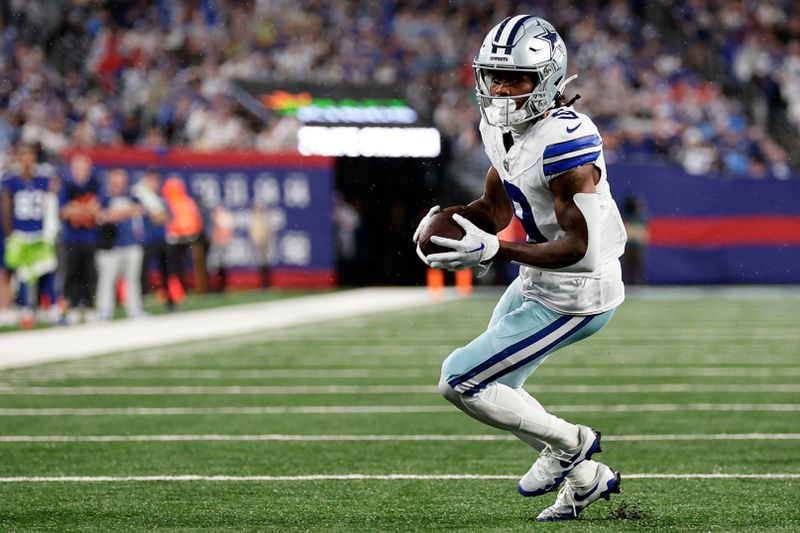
{"x": 341, "y": 120}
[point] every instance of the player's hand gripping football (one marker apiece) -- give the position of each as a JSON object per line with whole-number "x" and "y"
{"x": 476, "y": 247}
{"x": 423, "y": 224}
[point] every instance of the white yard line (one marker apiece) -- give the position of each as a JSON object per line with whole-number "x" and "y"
{"x": 675, "y": 407}
{"x": 149, "y": 374}
{"x": 147, "y": 411}
{"x": 365, "y": 477}
{"x": 55, "y": 344}
{"x": 393, "y": 389}
{"x": 376, "y": 438}
{"x": 582, "y": 371}
{"x": 384, "y": 409}
{"x": 122, "y": 374}
{"x": 230, "y": 375}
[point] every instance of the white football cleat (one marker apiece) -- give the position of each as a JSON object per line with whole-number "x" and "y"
{"x": 572, "y": 500}
{"x": 551, "y": 467}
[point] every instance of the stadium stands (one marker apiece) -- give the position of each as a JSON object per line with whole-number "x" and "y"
{"x": 750, "y": 48}
{"x": 156, "y": 73}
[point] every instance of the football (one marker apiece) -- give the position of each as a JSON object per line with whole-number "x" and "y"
{"x": 443, "y": 225}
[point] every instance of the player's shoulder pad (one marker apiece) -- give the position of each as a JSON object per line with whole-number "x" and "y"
{"x": 571, "y": 139}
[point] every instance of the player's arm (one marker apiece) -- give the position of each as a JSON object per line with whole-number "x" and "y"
{"x": 115, "y": 215}
{"x": 495, "y": 201}
{"x": 577, "y": 211}
{"x": 7, "y": 207}
{"x": 70, "y": 209}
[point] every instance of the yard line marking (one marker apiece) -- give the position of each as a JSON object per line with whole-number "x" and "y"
{"x": 373, "y": 438}
{"x": 418, "y": 372}
{"x": 665, "y": 371}
{"x": 382, "y": 409}
{"x": 678, "y": 407}
{"x": 112, "y": 373}
{"x": 393, "y": 389}
{"x": 155, "y": 373}
{"x": 364, "y": 477}
{"x": 132, "y": 411}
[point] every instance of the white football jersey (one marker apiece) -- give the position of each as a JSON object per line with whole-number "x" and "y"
{"x": 563, "y": 140}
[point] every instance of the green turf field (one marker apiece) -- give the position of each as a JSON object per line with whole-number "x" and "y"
{"x": 665, "y": 382}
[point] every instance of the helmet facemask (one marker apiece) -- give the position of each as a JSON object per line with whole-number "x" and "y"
{"x": 513, "y": 110}
{"x": 521, "y": 44}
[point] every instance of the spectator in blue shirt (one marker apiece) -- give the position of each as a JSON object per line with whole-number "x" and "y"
{"x": 79, "y": 203}
{"x": 146, "y": 192}
{"x": 120, "y": 247}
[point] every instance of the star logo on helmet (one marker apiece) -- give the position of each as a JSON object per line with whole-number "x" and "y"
{"x": 551, "y": 37}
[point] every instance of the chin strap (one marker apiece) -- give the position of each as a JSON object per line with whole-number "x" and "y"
{"x": 566, "y": 81}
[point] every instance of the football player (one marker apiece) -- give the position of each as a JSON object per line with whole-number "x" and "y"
{"x": 30, "y": 210}
{"x": 547, "y": 170}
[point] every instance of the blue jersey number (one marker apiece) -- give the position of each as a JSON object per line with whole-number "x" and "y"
{"x": 564, "y": 114}
{"x": 524, "y": 212}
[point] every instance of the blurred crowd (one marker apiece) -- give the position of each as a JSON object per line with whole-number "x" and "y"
{"x": 758, "y": 41}
{"x": 645, "y": 100}
{"x": 155, "y": 73}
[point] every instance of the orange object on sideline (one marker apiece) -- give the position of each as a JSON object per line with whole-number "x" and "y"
{"x": 121, "y": 290}
{"x": 176, "y": 292}
{"x": 435, "y": 280}
{"x": 464, "y": 282}
{"x": 185, "y": 221}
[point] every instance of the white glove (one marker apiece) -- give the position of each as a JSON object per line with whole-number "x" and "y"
{"x": 476, "y": 247}
{"x": 426, "y": 220}
{"x": 422, "y": 256}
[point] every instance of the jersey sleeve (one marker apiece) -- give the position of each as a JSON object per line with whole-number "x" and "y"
{"x": 570, "y": 143}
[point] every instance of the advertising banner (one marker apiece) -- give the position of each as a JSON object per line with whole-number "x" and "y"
{"x": 712, "y": 230}
{"x": 295, "y": 193}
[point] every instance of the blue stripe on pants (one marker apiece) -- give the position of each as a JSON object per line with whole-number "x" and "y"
{"x": 516, "y": 320}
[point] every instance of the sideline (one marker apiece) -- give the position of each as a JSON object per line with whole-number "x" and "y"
{"x": 26, "y": 348}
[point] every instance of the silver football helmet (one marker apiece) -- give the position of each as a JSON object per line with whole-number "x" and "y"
{"x": 522, "y": 43}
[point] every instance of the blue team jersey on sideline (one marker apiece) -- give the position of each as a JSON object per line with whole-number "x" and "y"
{"x": 154, "y": 233}
{"x": 27, "y": 201}
{"x": 78, "y": 231}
